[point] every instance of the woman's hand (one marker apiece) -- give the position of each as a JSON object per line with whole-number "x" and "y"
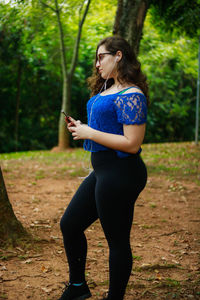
{"x": 71, "y": 122}
{"x": 79, "y": 131}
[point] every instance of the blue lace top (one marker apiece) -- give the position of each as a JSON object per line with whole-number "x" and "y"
{"x": 108, "y": 113}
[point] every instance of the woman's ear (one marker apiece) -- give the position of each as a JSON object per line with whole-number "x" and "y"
{"x": 118, "y": 55}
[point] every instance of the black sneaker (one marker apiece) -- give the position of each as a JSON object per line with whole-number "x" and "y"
{"x": 72, "y": 292}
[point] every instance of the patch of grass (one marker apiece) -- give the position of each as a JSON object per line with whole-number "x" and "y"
{"x": 3, "y": 296}
{"x": 149, "y": 267}
{"x": 80, "y": 172}
{"x": 135, "y": 257}
{"x": 147, "y": 292}
{"x": 63, "y": 170}
{"x": 163, "y": 221}
{"x": 151, "y": 278}
{"x": 4, "y": 257}
{"x": 36, "y": 200}
{"x": 197, "y": 181}
{"x": 172, "y": 282}
{"x": 6, "y": 170}
{"x": 176, "y": 243}
{"x": 153, "y": 205}
{"x": 180, "y": 159}
{"x": 23, "y": 256}
{"x": 39, "y": 175}
{"x": 7, "y": 256}
{"x": 46, "y": 156}
{"x": 145, "y": 226}
{"x": 173, "y": 295}
{"x": 158, "y": 168}
{"x": 105, "y": 282}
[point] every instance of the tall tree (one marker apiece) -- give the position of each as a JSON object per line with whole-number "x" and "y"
{"x": 182, "y": 15}
{"x": 63, "y": 137}
{"x": 10, "y": 227}
{"x": 129, "y": 20}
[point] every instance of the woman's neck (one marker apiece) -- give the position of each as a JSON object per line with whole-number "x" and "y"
{"x": 120, "y": 85}
{"x": 117, "y": 86}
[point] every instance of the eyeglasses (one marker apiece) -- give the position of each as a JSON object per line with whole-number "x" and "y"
{"x": 100, "y": 56}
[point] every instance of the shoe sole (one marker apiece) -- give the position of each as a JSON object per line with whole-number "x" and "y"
{"x": 83, "y": 297}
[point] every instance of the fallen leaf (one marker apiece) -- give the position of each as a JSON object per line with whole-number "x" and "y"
{"x": 175, "y": 262}
{"x": 36, "y": 209}
{"x": 47, "y": 290}
{"x": 18, "y": 248}
{"x": 28, "y": 261}
{"x": 145, "y": 265}
{"x": 44, "y": 269}
{"x": 158, "y": 276}
{"x": 27, "y": 286}
{"x": 54, "y": 237}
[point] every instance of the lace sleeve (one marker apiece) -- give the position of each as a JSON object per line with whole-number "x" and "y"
{"x": 131, "y": 108}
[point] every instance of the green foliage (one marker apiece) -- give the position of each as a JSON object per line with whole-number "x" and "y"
{"x": 35, "y": 108}
{"x": 30, "y": 55}
{"x": 171, "y": 65}
{"x": 30, "y": 39}
{"x": 181, "y": 15}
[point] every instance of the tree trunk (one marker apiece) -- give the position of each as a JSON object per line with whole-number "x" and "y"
{"x": 10, "y": 228}
{"x": 129, "y": 21}
{"x": 63, "y": 135}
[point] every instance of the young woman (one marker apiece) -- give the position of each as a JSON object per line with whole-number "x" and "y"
{"x": 114, "y": 134}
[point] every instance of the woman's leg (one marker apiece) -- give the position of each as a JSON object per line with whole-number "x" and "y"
{"x": 115, "y": 194}
{"x": 80, "y": 213}
{"x": 116, "y": 215}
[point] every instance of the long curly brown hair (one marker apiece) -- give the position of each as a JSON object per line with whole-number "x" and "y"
{"x": 128, "y": 68}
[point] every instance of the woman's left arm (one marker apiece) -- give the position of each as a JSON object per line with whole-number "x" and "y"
{"x": 129, "y": 142}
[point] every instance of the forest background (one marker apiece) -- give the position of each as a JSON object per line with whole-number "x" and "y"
{"x": 31, "y": 74}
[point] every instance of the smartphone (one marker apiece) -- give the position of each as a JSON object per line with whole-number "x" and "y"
{"x": 67, "y": 117}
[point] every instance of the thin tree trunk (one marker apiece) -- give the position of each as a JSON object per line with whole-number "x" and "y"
{"x": 10, "y": 228}
{"x": 63, "y": 136}
{"x": 129, "y": 20}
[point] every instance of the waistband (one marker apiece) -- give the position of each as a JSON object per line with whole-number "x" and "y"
{"x": 102, "y": 157}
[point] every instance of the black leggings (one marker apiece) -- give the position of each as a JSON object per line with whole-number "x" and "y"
{"x": 108, "y": 193}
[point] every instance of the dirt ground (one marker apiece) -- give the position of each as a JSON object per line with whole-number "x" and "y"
{"x": 165, "y": 236}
